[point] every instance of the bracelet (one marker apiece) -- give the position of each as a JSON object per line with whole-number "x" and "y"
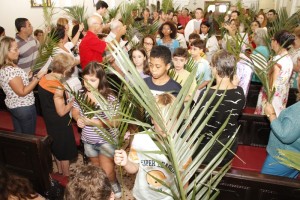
{"x": 268, "y": 116}
{"x": 35, "y": 76}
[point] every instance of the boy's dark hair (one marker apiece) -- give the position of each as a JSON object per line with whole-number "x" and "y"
{"x": 1, "y": 30}
{"x": 237, "y": 12}
{"x": 199, "y": 9}
{"x": 284, "y": 38}
{"x": 162, "y": 52}
{"x": 199, "y": 44}
{"x": 160, "y": 11}
{"x": 272, "y": 11}
{"x": 206, "y": 23}
{"x": 172, "y": 27}
{"x": 180, "y": 52}
{"x": 20, "y": 22}
{"x": 37, "y": 31}
{"x": 169, "y": 11}
{"x": 101, "y": 4}
{"x": 186, "y": 10}
{"x": 194, "y": 36}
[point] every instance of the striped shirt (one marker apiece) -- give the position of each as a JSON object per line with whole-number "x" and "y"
{"x": 28, "y": 52}
{"x": 90, "y": 134}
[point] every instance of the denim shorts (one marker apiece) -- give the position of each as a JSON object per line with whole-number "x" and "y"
{"x": 94, "y": 150}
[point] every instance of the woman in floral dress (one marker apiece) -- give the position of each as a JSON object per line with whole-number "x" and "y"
{"x": 280, "y": 74}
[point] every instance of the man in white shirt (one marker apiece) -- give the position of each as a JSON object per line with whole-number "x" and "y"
{"x": 193, "y": 26}
{"x": 101, "y": 9}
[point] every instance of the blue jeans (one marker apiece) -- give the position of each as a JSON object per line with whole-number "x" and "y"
{"x": 94, "y": 150}
{"x": 273, "y": 167}
{"x": 24, "y": 119}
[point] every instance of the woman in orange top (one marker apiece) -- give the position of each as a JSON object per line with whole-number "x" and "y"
{"x": 56, "y": 108}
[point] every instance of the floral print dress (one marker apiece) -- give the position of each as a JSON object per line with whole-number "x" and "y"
{"x": 282, "y": 86}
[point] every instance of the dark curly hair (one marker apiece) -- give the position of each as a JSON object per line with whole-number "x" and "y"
{"x": 172, "y": 27}
{"x": 88, "y": 182}
{"x": 161, "y": 52}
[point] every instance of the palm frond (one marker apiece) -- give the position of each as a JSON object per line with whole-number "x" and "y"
{"x": 113, "y": 12}
{"x": 46, "y": 49}
{"x": 86, "y": 104}
{"x": 167, "y": 5}
{"x": 180, "y": 143}
{"x": 78, "y": 13}
{"x": 289, "y": 158}
{"x": 48, "y": 13}
{"x": 125, "y": 11}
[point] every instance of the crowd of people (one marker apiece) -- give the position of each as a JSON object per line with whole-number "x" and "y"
{"x": 180, "y": 37}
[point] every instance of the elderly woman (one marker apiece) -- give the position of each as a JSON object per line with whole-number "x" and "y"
{"x": 223, "y": 67}
{"x": 56, "y": 108}
{"x": 261, "y": 47}
{"x": 285, "y": 134}
{"x": 280, "y": 74}
{"x": 17, "y": 87}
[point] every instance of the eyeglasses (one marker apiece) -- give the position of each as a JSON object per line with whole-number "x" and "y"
{"x": 149, "y": 44}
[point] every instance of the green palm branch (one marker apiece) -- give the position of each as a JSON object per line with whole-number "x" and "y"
{"x": 182, "y": 139}
{"x": 125, "y": 11}
{"x": 289, "y": 158}
{"x": 283, "y": 22}
{"x": 48, "y": 13}
{"x": 167, "y": 5}
{"x": 112, "y": 13}
{"x": 258, "y": 63}
{"x": 46, "y": 49}
{"x": 78, "y": 13}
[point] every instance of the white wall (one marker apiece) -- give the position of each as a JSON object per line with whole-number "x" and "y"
{"x": 12, "y": 9}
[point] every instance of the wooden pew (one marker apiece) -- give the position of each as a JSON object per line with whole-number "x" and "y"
{"x": 244, "y": 181}
{"x": 28, "y": 156}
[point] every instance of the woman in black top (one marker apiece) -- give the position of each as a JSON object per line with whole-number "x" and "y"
{"x": 223, "y": 65}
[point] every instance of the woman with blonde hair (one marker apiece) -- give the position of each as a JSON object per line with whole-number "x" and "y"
{"x": 64, "y": 24}
{"x": 17, "y": 87}
{"x": 55, "y": 108}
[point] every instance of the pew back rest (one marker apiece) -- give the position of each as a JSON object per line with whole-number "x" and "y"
{"x": 254, "y": 130}
{"x": 28, "y": 156}
{"x": 245, "y": 185}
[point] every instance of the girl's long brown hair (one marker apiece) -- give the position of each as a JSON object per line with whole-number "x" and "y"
{"x": 95, "y": 68}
